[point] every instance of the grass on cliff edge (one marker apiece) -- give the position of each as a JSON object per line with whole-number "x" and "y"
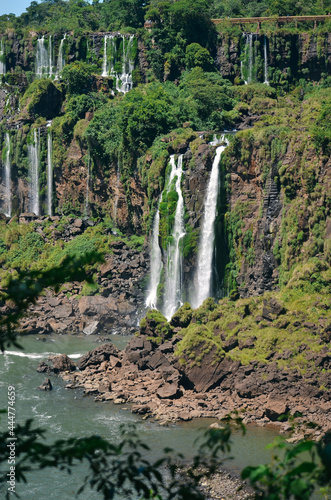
{"x": 291, "y": 336}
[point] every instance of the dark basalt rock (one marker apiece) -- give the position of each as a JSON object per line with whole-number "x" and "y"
{"x": 44, "y": 368}
{"x": 98, "y": 355}
{"x": 46, "y": 385}
{"x": 62, "y": 363}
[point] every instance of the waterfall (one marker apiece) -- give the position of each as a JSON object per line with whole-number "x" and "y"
{"x": 43, "y": 59}
{"x": 50, "y": 63}
{"x": 156, "y": 264}
{"x": 173, "y": 278}
{"x": 49, "y": 174}
{"x": 104, "y": 62}
{"x": 60, "y": 59}
{"x": 246, "y": 66}
{"x": 33, "y": 156}
{"x": 117, "y": 189}
{"x": 250, "y": 58}
{"x": 87, "y": 193}
{"x": 2, "y": 60}
{"x": 265, "y": 54}
{"x": 242, "y": 76}
{"x": 7, "y": 178}
{"x": 124, "y": 82}
{"x": 206, "y": 247}
{"x": 123, "y": 78}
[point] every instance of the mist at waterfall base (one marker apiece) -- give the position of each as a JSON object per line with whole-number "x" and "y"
{"x": 67, "y": 413}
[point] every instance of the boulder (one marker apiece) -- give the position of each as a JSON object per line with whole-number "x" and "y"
{"x": 62, "y": 363}
{"x": 98, "y": 355}
{"x": 46, "y": 385}
{"x": 274, "y": 408}
{"x": 91, "y": 328}
{"x": 44, "y": 368}
{"x": 211, "y": 372}
{"x": 104, "y": 386}
{"x": 168, "y": 391}
{"x": 97, "y": 305}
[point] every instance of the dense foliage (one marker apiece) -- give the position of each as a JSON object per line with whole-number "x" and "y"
{"x": 65, "y": 15}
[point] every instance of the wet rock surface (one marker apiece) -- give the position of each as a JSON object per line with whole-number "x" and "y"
{"x": 148, "y": 376}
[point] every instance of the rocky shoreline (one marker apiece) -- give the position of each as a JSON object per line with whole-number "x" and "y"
{"x": 150, "y": 378}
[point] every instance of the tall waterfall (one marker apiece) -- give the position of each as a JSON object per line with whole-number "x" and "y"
{"x": 124, "y": 81}
{"x": 246, "y": 66}
{"x": 60, "y": 59}
{"x": 111, "y": 56}
{"x": 7, "y": 178}
{"x": 203, "y": 279}
{"x": 33, "y": 156}
{"x": 44, "y": 58}
{"x": 2, "y": 60}
{"x": 87, "y": 192}
{"x": 156, "y": 264}
{"x": 117, "y": 189}
{"x": 173, "y": 272}
{"x": 49, "y": 174}
{"x": 265, "y": 57}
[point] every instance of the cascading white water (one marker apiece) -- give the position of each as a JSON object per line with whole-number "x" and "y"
{"x": 7, "y": 178}
{"x": 87, "y": 192}
{"x": 203, "y": 278}
{"x": 173, "y": 272}
{"x": 156, "y": 264}
{"x": 265, "y": 54}
{"x": 250, "y": 58}
{"x": 50, "y": 61}
{"x": 104, "y": 61}
{"x": 42, "y": 59}
{"x": 124, "y": 78}
{"x": 60, "y": 59}
{"x": 117, "y": 189}
{"x": 33, "y": 156}
{"x": 49, "y": 174}
{"x": 242, "y": 76}
{"x": 124, "y": 82}
{"x": 2, "y": 60}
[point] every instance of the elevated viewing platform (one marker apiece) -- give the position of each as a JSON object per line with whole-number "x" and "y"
{"x": 276, "y": 19}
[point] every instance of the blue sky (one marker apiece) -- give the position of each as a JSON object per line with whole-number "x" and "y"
{"x": 16, "y": 7}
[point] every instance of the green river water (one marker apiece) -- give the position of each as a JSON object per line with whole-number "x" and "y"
{"x": 65, "y": 413}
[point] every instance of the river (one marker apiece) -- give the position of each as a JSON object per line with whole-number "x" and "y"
{"x": 65, "y": 413}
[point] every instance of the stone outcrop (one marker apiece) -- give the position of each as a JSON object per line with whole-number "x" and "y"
{"x": 150, "y": 377}
{"x": 46, "y": 385}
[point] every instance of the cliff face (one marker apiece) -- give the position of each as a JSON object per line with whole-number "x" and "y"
{"x": 285, "y": 57}
{"x": 288, "y": 57}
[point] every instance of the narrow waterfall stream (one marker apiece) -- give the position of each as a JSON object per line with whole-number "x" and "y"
{"x": 111, "y": 56}
{"x": 124, "y": 82}
{"x": 33, "y": 156}
{"x": 60, "y": 59}
{"x": 42, "y": 59}
{"x": 203, "y": 280}
{"x": 118, "y": 173}
{"x": 7, "y": 178}
{"x": 87, "y": 192}
{"x": 104, "y": 61}
{"x": 50, "y": 60}
{"x": 173, "y": 278}
{"x": 250, "y": 58}
{"x": 246, "y": 63}
{"x": 2, "y": 60}
{"x": 49, "y": 173}
{"x": 156, "y": 264}
{"x": 265, "y": 57}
